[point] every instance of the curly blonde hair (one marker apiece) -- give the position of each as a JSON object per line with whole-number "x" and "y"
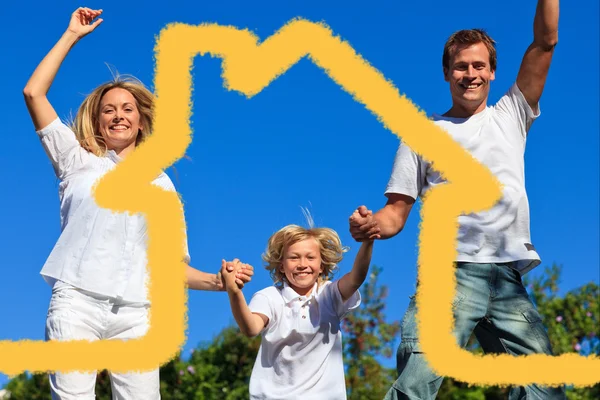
{"x": 85, "y": 124}
{"x": 330, "y": 247}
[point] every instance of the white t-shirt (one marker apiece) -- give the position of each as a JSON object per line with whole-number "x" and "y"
{"x": 98, "y": 250}
{"x": 495, "y": 137}
{"x": 300, "y": 355}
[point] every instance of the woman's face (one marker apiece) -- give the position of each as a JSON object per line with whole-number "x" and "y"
{"x": 119, "y": 121}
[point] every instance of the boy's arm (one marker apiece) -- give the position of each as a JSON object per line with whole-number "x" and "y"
{"x": 349, "y": 283}
{"x": 250, "y": 324}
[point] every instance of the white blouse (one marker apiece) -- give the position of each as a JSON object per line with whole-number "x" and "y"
{"x": 99, "y": 250}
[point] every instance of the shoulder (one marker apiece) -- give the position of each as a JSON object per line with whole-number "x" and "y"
{"x": 164, "y": 181}
{"x": 55, "y": 125}
{"x": 513, "y": 101}
{"x": 271, "y": 292}
{"x": 327, "y": 290}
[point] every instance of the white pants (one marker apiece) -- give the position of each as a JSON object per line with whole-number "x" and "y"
{"x": 77, "y": 315}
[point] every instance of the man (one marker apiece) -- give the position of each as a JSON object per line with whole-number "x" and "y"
{"x": 494, "y": 246}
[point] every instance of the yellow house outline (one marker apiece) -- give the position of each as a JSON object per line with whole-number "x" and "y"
{"x": 249, "y": 68}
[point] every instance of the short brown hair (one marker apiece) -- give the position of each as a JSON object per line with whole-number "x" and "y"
{"x": 469, "y": 37}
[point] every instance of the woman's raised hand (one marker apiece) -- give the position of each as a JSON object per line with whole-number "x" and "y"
{"x": 81, "y": 21}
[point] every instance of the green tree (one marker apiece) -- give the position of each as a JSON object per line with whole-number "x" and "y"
{"x": 217, "y": 370}
{"x": 37, "y": 387}
{"x": 572, "y": 320}
{"x": 367, "y": 338}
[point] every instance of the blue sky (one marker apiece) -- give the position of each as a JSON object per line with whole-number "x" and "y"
{"x": 301, "y": 142}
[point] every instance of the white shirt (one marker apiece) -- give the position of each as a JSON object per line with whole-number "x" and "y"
{"x": 300, "y": 355}
{"x": 98, "y": 250}
{"x": 495, "y": 137}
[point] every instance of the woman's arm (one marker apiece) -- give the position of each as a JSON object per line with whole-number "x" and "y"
{"x": 198, "y": 280}
{"x": 40, "y": 109}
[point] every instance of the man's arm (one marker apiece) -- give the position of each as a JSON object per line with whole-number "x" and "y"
{"x": 536, "y": 62}
{"x": 392, "y": 217}
{"x": 385, "y": 223}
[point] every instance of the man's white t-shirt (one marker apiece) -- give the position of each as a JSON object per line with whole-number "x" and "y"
{"x": 496, "y": 137}
{"x": 300, "y": 355}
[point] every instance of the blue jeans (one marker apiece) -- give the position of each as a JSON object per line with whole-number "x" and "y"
{"x": 491, "y": 302}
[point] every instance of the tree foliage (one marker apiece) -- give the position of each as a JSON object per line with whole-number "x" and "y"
{"x": 367, "y": 338}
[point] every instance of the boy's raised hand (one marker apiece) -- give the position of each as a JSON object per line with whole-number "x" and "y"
{"x": 363, "y": 227}
{"x": 235, "y": 274}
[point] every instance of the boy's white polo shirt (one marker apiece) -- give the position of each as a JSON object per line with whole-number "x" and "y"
{"x": 300, "y": 355}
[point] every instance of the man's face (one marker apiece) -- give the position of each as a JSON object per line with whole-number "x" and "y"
{"x": 469, "y": 75}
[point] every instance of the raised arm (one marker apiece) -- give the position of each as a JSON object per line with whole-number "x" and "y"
{"x": 40, "y": 109}
{"x": 349, "y": 283}
{"x": 536, "y": 62}
{"x": 250, "y": 324}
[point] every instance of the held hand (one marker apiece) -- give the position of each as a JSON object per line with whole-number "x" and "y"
{"x": 81, "y": 21}
{"x": 241, "y": 272}
{"x": 227, "y": 275}
{"x": 363, "y": 226}
{"x": 244, "y": 275}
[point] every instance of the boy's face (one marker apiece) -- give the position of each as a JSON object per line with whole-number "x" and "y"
{"x": 302, "y": 265}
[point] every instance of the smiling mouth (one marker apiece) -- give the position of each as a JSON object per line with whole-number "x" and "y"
{"x": 302, "y": 274}
{"x": 470, "y": 86}
{"x": 118, "y": 128}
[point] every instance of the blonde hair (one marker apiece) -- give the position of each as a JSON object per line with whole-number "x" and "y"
{"x": 330, "y": 248}
{"x": 85, "y": 124}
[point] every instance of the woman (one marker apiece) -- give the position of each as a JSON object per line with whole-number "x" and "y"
{"x": 97, "y": 269}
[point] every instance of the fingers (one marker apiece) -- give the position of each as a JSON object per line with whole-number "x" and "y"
{"x": 363, "y": 211}
{"x": 240, "y": 269}
{"x": 241, "y": 272}
{"x": 232, "y": 265}
{"x": 245, "y": 276}
{"x": 85, "y": 16}
{"x": 248, "y": 269}
{"x": 96, "y": 23}
{"x": 363, "y": 226}
{"x": 245, "y": 272}
{"x": 355, "y": 217}
{"x": 361, "y": 215}
{"x": 370, "y": 230}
